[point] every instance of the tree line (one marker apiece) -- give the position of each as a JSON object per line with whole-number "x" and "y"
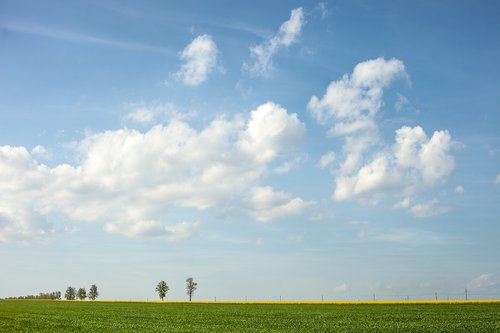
{"x": 55, "y": 295}
{"x": 162, "y": 288}
{"x": 72, "y": 294}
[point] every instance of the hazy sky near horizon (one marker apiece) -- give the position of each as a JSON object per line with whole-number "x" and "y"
{"x": 265, "y": 148}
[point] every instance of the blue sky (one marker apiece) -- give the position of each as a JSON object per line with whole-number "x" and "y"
{"x": 296, "y": 149}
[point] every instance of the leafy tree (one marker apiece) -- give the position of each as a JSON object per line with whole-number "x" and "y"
{"x": 190, "y": 287}
{"x": 82, "y": 294}
{"x": 162, "y": 289}
{"x": 56, "y": 295}
{"x": 70, "y": 294}
{"x": 93, "y": 293}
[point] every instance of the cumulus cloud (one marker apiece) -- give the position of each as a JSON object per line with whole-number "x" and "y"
{"x": 23, "y": 210}
{"x": 287, "y": 35}
{"x": 369, "y": 167}
{"x": 127, "y": 180}
{"x": 497, "y": 180}
{"x": 428, "y": 209}
{"x": 414, "y": 163}
{"x": 354, "y": 100}
{"x": 200, "y": 58}
{"x": 459, "y": 189}
{"x": 264, "y": 204}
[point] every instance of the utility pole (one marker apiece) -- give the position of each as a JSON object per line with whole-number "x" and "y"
{"x": 321, "y": 298}
{"x": 465, "y": 293}
{"x": 374, "y": 297}
{"x": 436, "y": 294}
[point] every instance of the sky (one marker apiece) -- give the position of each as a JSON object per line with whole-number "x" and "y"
{"x": 294, "y": 149}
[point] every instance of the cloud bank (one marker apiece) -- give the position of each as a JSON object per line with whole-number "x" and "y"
{"x": 128, "y": 180}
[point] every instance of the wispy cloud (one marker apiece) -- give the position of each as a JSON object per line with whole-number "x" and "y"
{"x": 428, "y": 209}
{"x": 287, "y": 35}
{"x": 76, "y": 37}
{"x": 485, "y": 282}
{"x": 409, "y": 237}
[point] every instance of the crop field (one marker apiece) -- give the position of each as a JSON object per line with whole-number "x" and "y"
{"x": 77, "y": 316}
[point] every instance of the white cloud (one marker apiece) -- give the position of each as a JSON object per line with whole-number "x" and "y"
{"x": 264, "y": 204}
{"x": 353, "y": 101}
{"x": 287, "y": 35}
{"x": 200, "y": 58}
{"x": 428, "y": 209}
{"x": 129, "y": 181}
{"x": 326, "y": 160}
{"x": 368, "y": 168}
{"x": 290, "y": 165}
{"x": 155, "y": 112}
{"x": 405, "y": 203}
{"x": 342, "y": 287}
{"x": 155, "y": 229}
{"x": 41, "y": 152}
{"x": 271, "y": 130}
{"x": 497, "y": 180}
{"x": 141, "y": 115}
{"x": 484, "y": 281}
{"x": 459, "y": 189}
{"x": 23, "y": 211}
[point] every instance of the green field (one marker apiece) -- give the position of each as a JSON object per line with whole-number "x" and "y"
{"x": 61, "y": 316}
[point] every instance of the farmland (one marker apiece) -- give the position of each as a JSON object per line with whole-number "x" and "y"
{"x": 76, "y": 316}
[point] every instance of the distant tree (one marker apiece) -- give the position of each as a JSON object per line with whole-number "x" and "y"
{"x": 70, "y": 294}
{"x": 57, "y": 295}
{"x": 161, "y": 289}
{"x": 93, "y": 293}
{"x": 190, "y": 287}
{"x": 82, "y": 294}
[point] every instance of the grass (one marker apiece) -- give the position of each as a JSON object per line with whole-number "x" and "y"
{"x": 61, "y": 316}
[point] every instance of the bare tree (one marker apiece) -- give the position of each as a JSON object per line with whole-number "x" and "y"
{"x": 190, "y": 287}
{"x": 162, "y": 289}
